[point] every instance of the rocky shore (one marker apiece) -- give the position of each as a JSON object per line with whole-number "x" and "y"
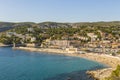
{"x": 110, "y": 61}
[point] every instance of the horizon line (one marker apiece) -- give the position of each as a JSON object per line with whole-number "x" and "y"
{"x": 61, "y": 21}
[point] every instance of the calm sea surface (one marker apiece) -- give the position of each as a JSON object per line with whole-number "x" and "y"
{"x": 23, "y": 65}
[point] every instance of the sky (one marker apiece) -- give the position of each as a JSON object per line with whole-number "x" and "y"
{"x": 59, "y": 10}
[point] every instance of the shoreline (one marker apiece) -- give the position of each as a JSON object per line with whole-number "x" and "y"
{"x": 3, "y": 45}
{"x": 100, "y": 74}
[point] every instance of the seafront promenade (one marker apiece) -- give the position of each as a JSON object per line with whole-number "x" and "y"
{"x": 108, "y": 60}
{"x": 55, "y": 51}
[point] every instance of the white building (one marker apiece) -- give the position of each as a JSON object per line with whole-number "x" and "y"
{"x": 92, "y": 36}
{"x": 60, "y": 43}
{"x": 30, "y": 29}
{"x": 71, "y": 50}
{"x": 33, "y": 39}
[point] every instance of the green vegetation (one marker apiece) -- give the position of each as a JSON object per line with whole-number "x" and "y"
{"x": 5, "y": 40}
{"x": 115, "y": 74}
{"x": 77, "y": 33}
{"x": 9, "y": 40}
{"x": 60, "y": 31}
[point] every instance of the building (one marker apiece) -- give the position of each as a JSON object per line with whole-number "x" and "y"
{"x": 114, "y": 45}
{"x": 60, "y": 43}
{"x": 9, "y": 34}
{"x": 71, "y": 50}
{"x": 82, "y": 38}
{"x": 92, "y": 36}
{"x": 31, "y": 45}
{"x": 30, "y": 29}
{"x": 33, "y": 39}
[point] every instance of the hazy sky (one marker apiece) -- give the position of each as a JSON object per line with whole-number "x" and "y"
{"x": 59, "y": 10}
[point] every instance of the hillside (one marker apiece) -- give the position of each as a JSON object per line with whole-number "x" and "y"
{"x": 6, "y": 26}
{"x": 9, "y": 25}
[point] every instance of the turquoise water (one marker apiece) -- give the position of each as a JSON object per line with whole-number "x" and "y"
{"x": 23, "y": 65}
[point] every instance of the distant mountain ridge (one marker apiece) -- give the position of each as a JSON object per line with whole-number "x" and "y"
{"x": 9, "y": 25}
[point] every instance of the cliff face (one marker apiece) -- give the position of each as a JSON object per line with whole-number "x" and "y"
{"x": 7, "y": 25}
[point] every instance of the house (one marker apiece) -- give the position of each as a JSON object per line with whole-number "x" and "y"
{"x": 30, "y": 29}
{"x": 76, "y": 36}
{"x": 106, "y": 41}
{"x": 92, "y": 45}
{"x": 82, "y": 38}
{"x": 92, "y": 36}
{"x": 9, "y": 34}
{"x": 33, "y": 39}
{"x": 71, "y": 50}
{"x": 114, "y": 45}
{"x": 31, "y": 45}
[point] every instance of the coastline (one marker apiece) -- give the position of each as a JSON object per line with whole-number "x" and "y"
{"x": 100, "y": 74}
{"x": 3, "y": 45}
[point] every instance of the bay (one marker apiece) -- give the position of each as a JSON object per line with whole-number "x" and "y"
{"x": 24, "y": 65}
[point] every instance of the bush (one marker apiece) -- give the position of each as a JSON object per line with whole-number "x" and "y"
{"x": 115, "y": 74}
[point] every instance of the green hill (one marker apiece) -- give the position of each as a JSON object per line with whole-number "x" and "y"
{"x": 9, "y": 25}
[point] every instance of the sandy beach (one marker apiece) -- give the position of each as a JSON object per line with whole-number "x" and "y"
{"x": 110, "y": 61}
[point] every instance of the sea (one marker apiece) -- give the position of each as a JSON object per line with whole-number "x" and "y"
{"x": 25, "y": 65}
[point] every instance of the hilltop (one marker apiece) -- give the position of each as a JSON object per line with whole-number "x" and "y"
{"x": 10, "y": 25}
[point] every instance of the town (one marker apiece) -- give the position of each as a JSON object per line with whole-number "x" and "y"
{"x": 74, "y": 39}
